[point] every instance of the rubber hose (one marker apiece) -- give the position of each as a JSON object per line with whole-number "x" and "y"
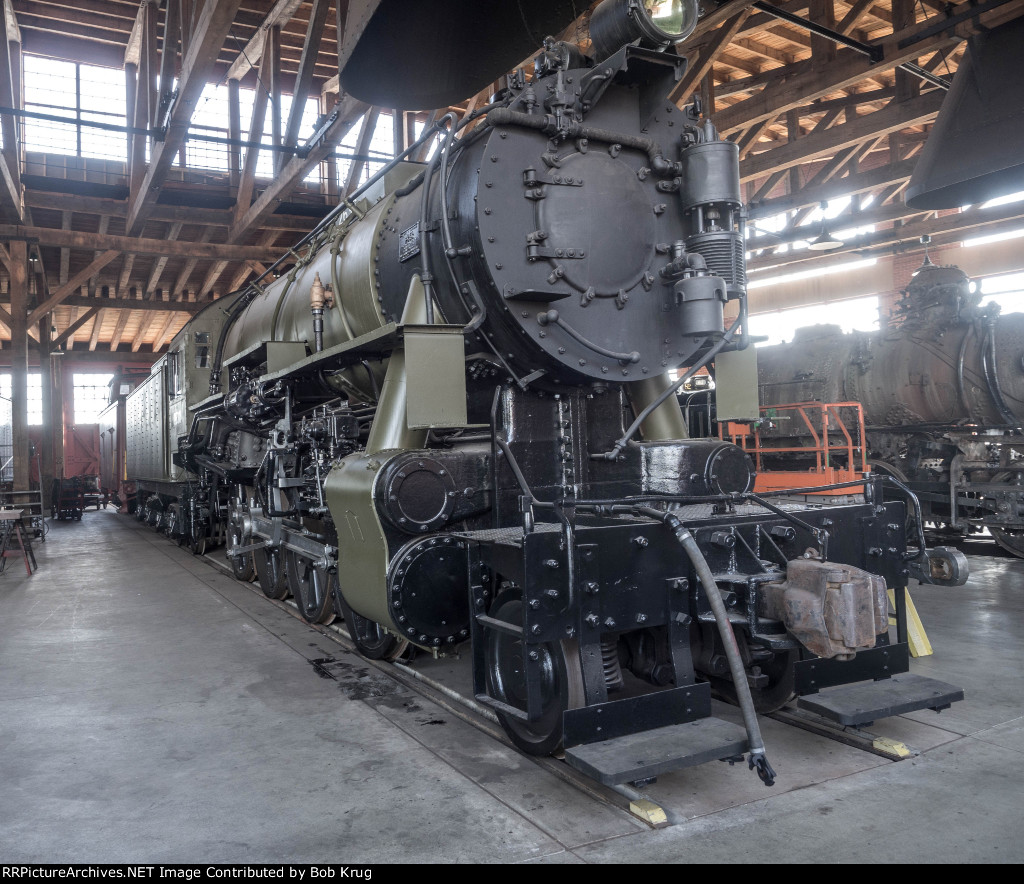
{"x": 732, "y": 650}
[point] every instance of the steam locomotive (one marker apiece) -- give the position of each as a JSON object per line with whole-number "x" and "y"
{"x": 451, "y": 422}
{"x": 942, "y": 389}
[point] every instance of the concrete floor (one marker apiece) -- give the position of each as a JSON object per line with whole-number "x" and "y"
{"x": 154, "y": 710}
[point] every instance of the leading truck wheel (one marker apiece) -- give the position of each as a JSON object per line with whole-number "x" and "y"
{"x": 561, "y": 680}
{"x": 311, "y": 588}
{"x": 270, "y": 573}
{"x": 1010, "y": 539}
{"x": 370, "y": 638}
{"x": 776, "y": 693}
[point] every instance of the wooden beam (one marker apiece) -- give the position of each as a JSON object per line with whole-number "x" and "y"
{"x": 19, "y": 362}
{"x": 214, "y": 273}
{"x": 823, "y": 50}
{"x": 355, "y": 169}
{"x": 892, "y": 118}
{"x": 140, "y": 335}
{"x": 97, "y": 326}
{"x": 234, "y": 133}
{"x": 161, "y": 262}
{"x": 177, "y": 291}
{"x": 169, "y": 56}
{"x": 705, "y": 57}
{"x": 126, "y": 271}
{"x": 133, "y": 48}
{"x": 304, "y": 74}
{"x": 75, "y": 239}
{"x": 5, "y": 319}
{"x": 863, "y": 182}
{"x": 10, "y": 188}
{"x": 13, "y": 31}
{"x": 130, "y": 304}
{"x": 345, "y": 114}
{"x": 280, "y": 14}
{"x": 165, "y": 329}
{"x": 72, "y": 285}
{"x": 211, "y": 28}
{"x": 247, "y": 181}
{"x": 74, "y": 327}
{"x": 273, "y": 50}
{"x": 122, "y": 323}
{"x": 102, "y": 231}
{"x": 97, "y": 205}
{"x": 718, "y": 16}
{"x": 853, "y": 16}
{"x": 748, "y": 141}
{"x": 151, "y": 63}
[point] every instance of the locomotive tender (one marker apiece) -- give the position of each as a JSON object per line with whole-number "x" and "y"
{"x": 450, "y": 421}
{"x": 942, "y": 389}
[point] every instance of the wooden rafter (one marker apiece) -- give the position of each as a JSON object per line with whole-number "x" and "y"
{"x": 280, "y": 14}
{"x": 890, "y": 119}
{"x": 76, "y": 239}
{"x": 304, "y": 76}
{"x": 11, "y": 199}
{"x": 161, "y": 262}
{"x": 247, "y": 180}
{"x": 705, "y": 58}
{"x": 69, "y": 332}
{"x": 362, "y": 146}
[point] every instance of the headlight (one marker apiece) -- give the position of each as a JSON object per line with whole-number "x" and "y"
{"x": 658, "y": 24}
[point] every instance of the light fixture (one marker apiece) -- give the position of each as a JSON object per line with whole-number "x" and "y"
{"x": 657, "y": 24}
{"x": 927, "y": 262}
{"x": 825, "y": 241}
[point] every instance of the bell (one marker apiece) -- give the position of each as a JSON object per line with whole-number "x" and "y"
{"x": 421, "y": 56}
{"x": 973, "y": 153}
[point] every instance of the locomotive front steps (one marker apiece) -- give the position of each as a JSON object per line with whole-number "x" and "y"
{"x": 862, "y": 703}
{"x": 648, "y": 754}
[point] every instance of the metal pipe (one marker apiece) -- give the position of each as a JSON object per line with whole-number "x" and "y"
{"x": 875, "y": 53}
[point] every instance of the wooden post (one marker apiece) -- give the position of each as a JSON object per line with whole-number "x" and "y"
{"x": 273, "y": 50}
{"x": 49, "y": 431}
{"x": 19, "y": 362}
{"x": 235, "y": 134}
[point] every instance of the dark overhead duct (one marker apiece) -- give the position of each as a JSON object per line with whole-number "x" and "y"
{"x": 975, "y": 151}
{"x": 424, "y": 55}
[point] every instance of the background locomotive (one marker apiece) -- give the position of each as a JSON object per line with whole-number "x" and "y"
{"x": 451, "y": 421}
{"x": 942, "y": 390}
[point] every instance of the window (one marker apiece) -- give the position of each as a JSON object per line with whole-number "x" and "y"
{"x": 855, "y": 314}
{"x": 35, "y": 396}
{"x": 174, "y": 385}
{"x": 202, "y": 349}
{"x": 80, "y": 91}
{"x": 91, "y": 395}
{"x": 1007, "y": 291}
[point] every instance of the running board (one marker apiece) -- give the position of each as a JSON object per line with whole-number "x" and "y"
{"x": 648, "y": 754}
{"x": 865, "y": 702}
